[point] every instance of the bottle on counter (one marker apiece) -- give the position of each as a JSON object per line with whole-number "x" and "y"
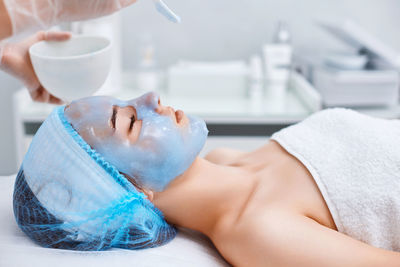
{"x": 255, "y": 78}
{"x": 256, "y": 84}
{"x": 147, "y": 76}
{"x": 278, "y": 60}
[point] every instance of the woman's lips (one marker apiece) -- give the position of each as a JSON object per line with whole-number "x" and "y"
{"x": 179, "y": 115}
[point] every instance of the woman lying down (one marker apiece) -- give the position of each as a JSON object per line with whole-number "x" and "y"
{"x": 103, "y": 173}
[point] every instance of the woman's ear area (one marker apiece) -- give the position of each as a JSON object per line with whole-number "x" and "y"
{"x": 149, "y": 193}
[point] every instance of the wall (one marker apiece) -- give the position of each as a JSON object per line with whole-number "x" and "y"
{"x": 11, "y": 141}
{"x": 235, "y": 29}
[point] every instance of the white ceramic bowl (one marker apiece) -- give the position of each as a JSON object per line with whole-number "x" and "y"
{"x": 72, "y": 69}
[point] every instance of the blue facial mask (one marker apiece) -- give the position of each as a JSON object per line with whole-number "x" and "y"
{"x": 163, "y": 150}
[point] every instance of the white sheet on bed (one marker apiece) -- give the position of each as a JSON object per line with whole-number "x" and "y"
{"x": 187, "y": 249}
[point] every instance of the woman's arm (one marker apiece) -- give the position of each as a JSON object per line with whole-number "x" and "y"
{"x": 294, "y": 240}
{"x": 5, "y": 23}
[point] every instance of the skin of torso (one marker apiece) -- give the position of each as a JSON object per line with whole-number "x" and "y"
{"x": 284, "y": 189}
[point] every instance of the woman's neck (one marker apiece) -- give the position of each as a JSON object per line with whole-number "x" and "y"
{"x": 204, "y": 194}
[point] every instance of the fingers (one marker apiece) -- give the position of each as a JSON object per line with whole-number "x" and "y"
{"x": 44, "y": 36}
{"x": 55, "y": 100}
{"x": 125, "y": 3}
{"x": 52, "y": 36}
{"x": 1, "y": 52}
{"x": 38, "y": 95}
{"x": 57, "y": 36}
{"x": 4, "y": 48}
{"x": 41, "y": 95}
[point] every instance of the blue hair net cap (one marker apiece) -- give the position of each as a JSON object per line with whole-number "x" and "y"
{"x": 67, "y": 196}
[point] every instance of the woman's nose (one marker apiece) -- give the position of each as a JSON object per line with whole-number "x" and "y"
{"x": 151, "y": 100}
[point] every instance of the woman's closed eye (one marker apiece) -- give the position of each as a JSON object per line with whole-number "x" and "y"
{"x": 122, "y": 118}
{"x": 114, "y": 117}
{"x": 132, "y": 122}
{"x": 124, "y": 122}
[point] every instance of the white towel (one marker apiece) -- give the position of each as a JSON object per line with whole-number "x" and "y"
{"x": 355, "y": 161}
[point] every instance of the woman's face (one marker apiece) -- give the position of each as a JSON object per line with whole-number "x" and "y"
{"x": 147, "y": 141}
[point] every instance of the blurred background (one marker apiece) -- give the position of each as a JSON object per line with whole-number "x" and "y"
{"x": 249, "y": 68}
{"x": 232, "y": 29}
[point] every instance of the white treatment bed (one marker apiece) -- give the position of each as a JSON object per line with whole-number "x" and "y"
{"x": 187, "y": 249}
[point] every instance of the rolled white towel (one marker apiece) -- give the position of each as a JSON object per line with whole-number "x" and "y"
{"x": 355, "y": 161}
